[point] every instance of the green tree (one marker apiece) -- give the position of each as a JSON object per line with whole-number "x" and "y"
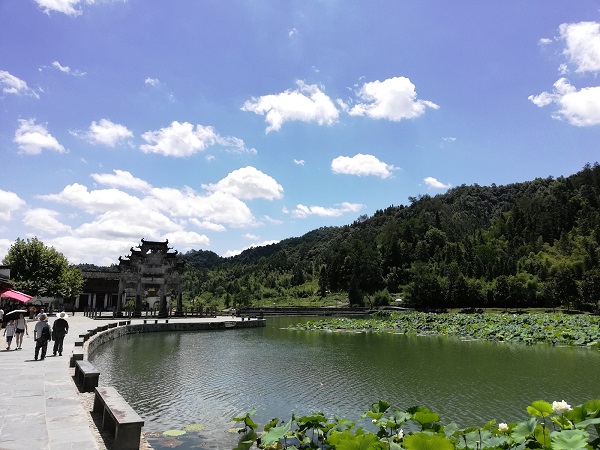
{"x": 39, "y": 270}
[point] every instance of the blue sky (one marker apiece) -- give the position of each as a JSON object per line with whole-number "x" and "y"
{"x": 221, "y": 125}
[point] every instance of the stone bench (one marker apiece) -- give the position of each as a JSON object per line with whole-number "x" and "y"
{"x": 118, "y": 416}
{"x": 86, "y": 375}
{"x": 76, "y": 356}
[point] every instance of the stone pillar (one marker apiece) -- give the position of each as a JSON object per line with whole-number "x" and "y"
{"x": 137, "y": 312}
{"x": 162, "y": 312}
{"x": 179, "y": 301}
{"x": 120, "y": 299}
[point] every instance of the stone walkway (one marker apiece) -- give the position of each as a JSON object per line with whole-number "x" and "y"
{"x": 40, "y": 406}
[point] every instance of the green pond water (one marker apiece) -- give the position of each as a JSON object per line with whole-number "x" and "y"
{"x": 189, "y": 378}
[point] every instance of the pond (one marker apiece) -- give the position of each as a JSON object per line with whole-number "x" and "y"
{"x": 206, "y": 378}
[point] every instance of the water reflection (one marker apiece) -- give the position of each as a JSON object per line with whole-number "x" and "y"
{"x": 208, "y": 377}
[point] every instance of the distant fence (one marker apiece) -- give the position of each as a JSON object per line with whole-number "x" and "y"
{"x": 301, "y": 311}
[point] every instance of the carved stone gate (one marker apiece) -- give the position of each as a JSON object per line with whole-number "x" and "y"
{"x": 150, "y": 269}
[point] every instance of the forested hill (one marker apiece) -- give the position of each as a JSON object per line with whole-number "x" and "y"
{"x": 535, "y": 243}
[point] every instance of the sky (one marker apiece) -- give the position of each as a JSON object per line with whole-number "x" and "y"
{"x": 223, "y": 125}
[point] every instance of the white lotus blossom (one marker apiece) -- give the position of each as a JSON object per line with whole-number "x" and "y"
{"x": 502, "y": 427}
{"x": 400, "y": 434}
{"x": 561, "y": 407}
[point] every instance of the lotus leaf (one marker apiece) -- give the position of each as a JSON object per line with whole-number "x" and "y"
{"x": 174, "y": 433}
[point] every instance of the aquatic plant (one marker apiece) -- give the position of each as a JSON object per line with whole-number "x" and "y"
{"x": 556, "y": 426}
{"x": 553, "y": 329}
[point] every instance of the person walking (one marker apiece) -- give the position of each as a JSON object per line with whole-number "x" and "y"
{"x": 60, "y": 327}
{"x": 21, "y": 325}
{"x": 9, "y": 332}
{"x": 41, "y": 334}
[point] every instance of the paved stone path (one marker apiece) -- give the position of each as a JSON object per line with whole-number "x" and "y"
{"x": 40, "y": 408}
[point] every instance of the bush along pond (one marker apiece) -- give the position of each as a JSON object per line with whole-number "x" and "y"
{"x": 556, "y": 426}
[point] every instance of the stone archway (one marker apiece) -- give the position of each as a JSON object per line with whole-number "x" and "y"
{"x": 150, "y": 267}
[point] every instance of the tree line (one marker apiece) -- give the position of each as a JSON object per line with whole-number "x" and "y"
{"x": 530, "y": 244}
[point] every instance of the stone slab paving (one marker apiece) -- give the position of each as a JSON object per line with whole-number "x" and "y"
{"x": 40, "y": 408}
{"x": 39, "y": 403}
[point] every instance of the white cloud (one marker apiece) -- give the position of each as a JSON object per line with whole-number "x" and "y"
{"x": 449, "y": 139}
{"x": 79, "y": 249}
{"x": 299, "y": 162}
{"x": 361, "y": 165}
{"x": 67, "y": 7}
{"x": 44, "y": 220}
{"x": 13, "y": 85}
{"x": 152, "y": 81}
{"x": 121, "y": 179}
{"x": 143, "y": 221}
{"x": 105, "y": 132}
{"x": 67, "y": 69}
{"x": 9, "y": 203}
{"x": 217, "y": 207}
{"x": 293, "y": 32}
{"x": 306, "y": 104}
{"x": 582, "y": 42}
{"x": 182, "y": 139}
{"x": 303, "y": 211}
{"x": 578, "y": 107}
{"x": 32, "y": 138}
{"x": 187, "y": 240}
{"x": 433, "y": 183}
{"x": 206, "y": 225}
{"x": 248, "y": 183}
{"x": 251, "y": 236}
{"x": 230, "y": 253}
{"x": 96, "y": 201}
{"x": 545, "y": 41}
{"x": 392, "y": 99}
{"x": 5, "y": 244}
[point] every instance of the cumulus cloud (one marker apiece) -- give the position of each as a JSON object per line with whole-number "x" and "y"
{"x": 578, "y": 107}
{"x": 45, "y": 220}
{"x": 217, "y": 207}
{"x": 80, "y": 249}
{"x": 302, "y": 211}
{"x": 187, "y": 240}
{"x": 67, "y": 69}
{"x": 206, "y": 225}
{"x": 361, "y": 165}
{"x": 105, "y": 132}
{"x": 582, "y": 45}
{"x": 33, "y": 139}
{"x": 152, "y": 81}
{"x": 129, "y": 223}
{"x": 183, "y": 139}
{"x": 433, "y": 183}
{"x": 392, "y": 99}
{"x": 248, "y": 183}
{"x": 121, "y": 179}
{"x": 307, "y": 103}
{"x": 68, "y": 7}
{"x": 9, "y": 203}
{"x": 13, "y": 85}
{"x": 96, "y": 201}
{"x": 230, "y": 253}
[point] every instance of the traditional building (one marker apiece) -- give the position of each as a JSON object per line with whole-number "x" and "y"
{"x": 149, "y": 277}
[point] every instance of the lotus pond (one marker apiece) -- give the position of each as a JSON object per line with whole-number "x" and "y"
{"x": 191, "y": 385}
